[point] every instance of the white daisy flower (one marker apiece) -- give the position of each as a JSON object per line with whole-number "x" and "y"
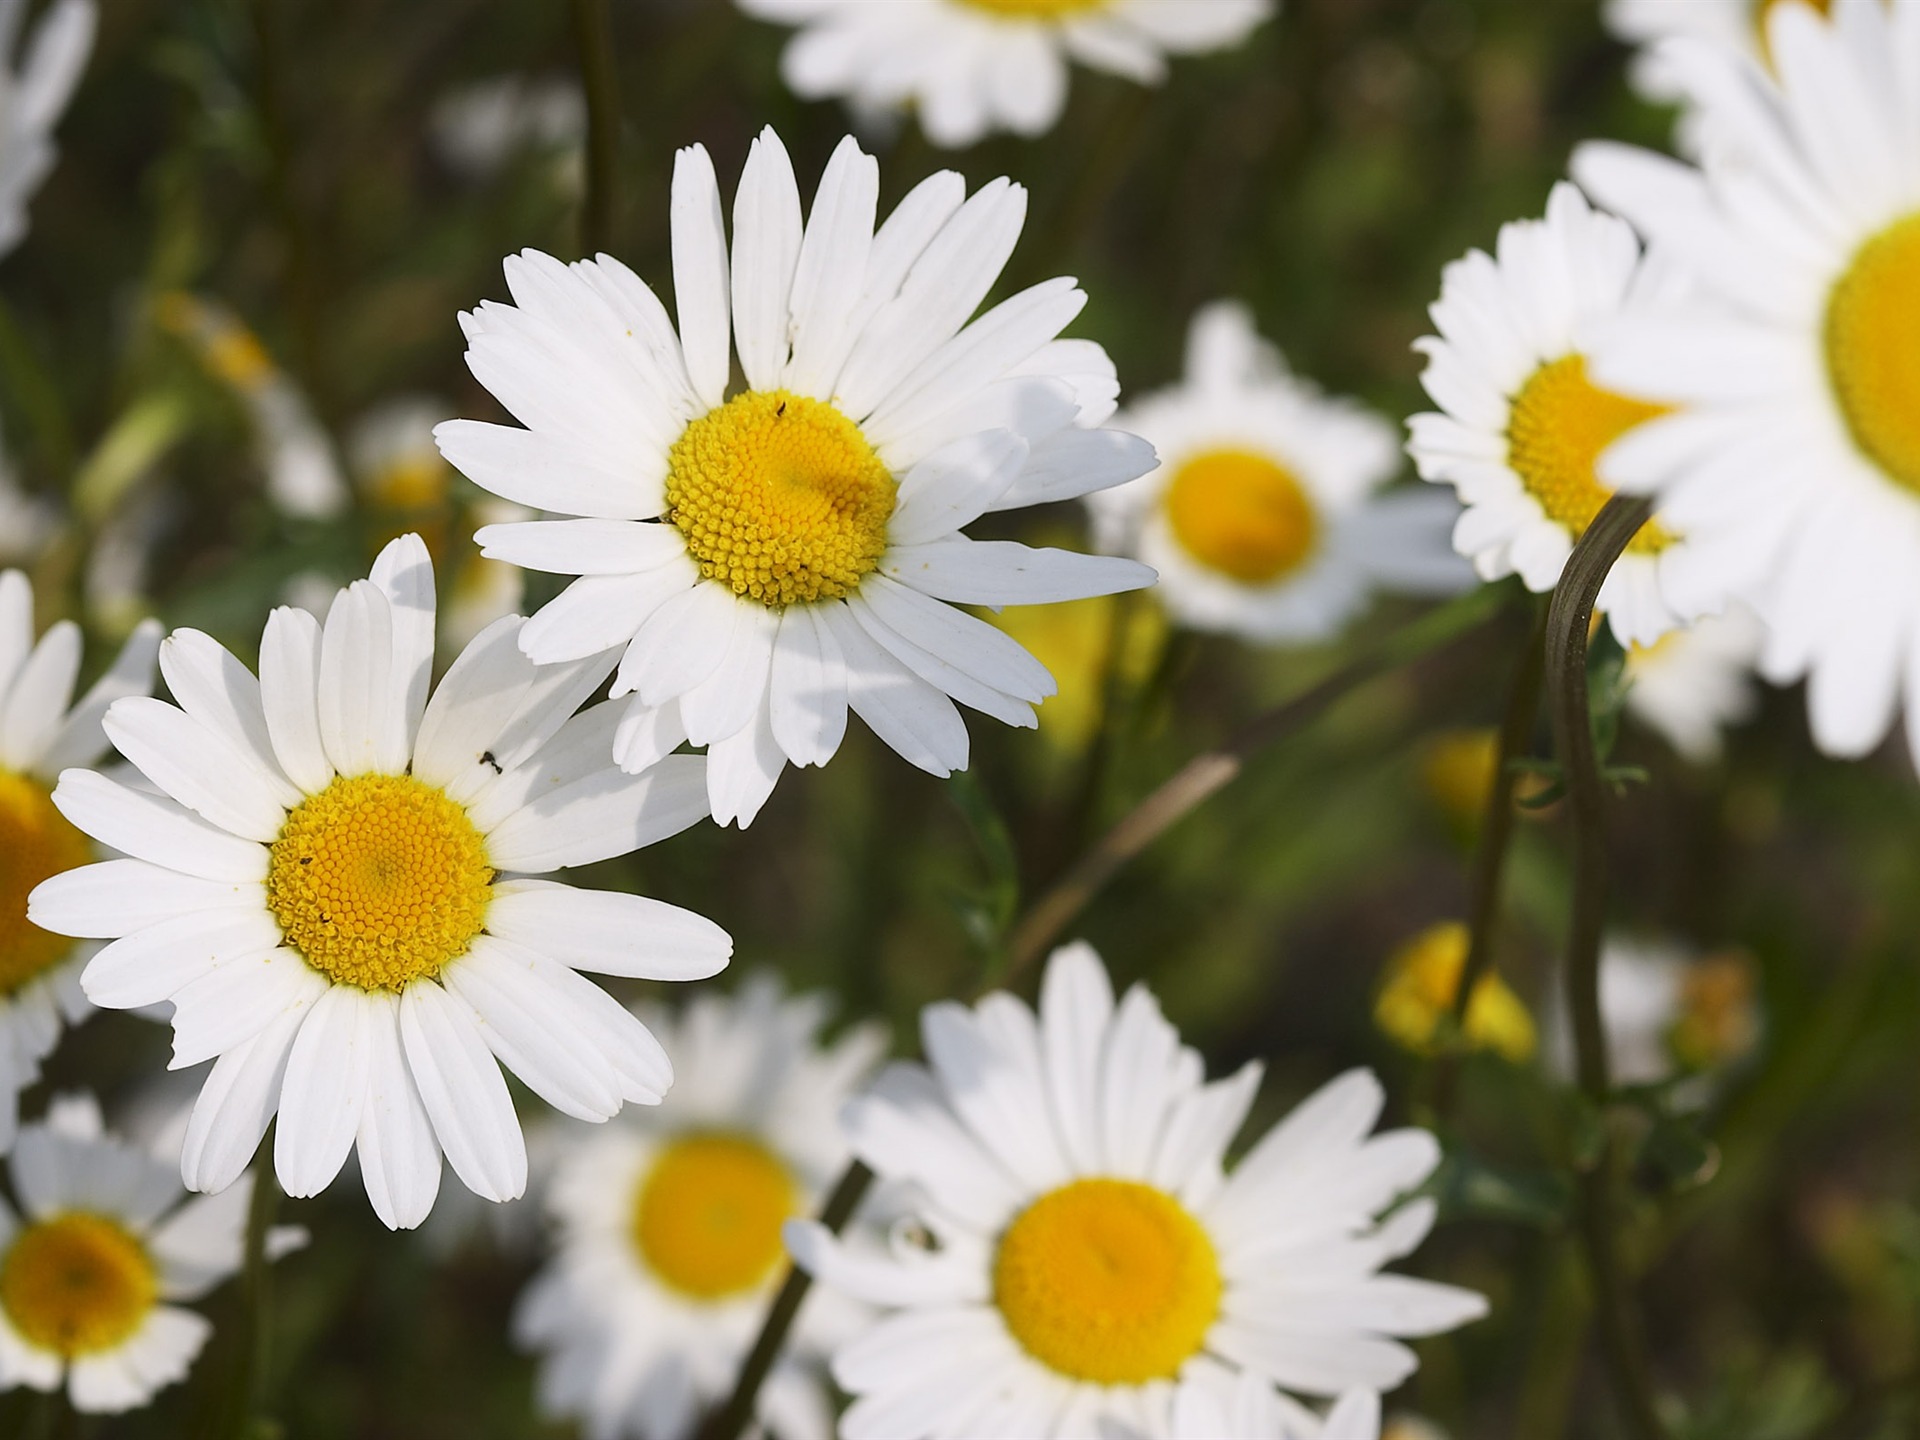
{"x": 93, "y": 1266}
{"x": 669, "y": 1225}
{"x": 1263, "y": 518}
{"x": 1694, "y": 684}
{"x": 972, "y": 67}
{"x": 771, "y": 558}
{"x": 332, "y": 890}
{"x": 35, "y": 85}
{"x": 1794, "y": 461}
{"x": 478, "y": 128}
{"x": 41, "y": 733}
{"x": 1523, "y": 422}
{"x": 1087, "y": 1247}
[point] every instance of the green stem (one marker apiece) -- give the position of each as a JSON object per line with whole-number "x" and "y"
{"x": 1491, "y": 846}
{"x": 593, "y": 29}
{"x": 733, "y": 1418}
{"x": 1207, "y": 774}
{"x": 1569, "y": 621}
{"x": 250, "y": 1372}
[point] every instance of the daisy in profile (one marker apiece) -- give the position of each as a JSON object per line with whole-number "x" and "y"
{"x": 96, "y": 1263}
{"x": 36, "y": 81}
{"x": 1086, "y": 1247}
{"x": 1522, "y": 421}
{"x": 334, "y": 889}
{"x": 1793, "y": 458}
{"x": 1263, "y": 519}
{"x": 42, "y": 732}
{"x": 775, "y": 554}
{"x": 969, "y": 68}
{"x": 1694, "y": 684}
{"x": 669, "y": 1225}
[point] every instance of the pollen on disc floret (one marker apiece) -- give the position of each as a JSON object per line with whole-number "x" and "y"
{"x": 1108, "y": 1281}
{"x": 379, "y": 880}
{"x": 780, "y": 498}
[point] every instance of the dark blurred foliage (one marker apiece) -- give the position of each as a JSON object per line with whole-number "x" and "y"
{"x": 275, "y": 156}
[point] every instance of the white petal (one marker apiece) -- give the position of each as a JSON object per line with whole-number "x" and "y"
{"x": 149, "y": 965}
{"x": 609, "y": 933}
{"x": 323, "y": 1093}
{"x": 41, "y": 691}
{"x": 955, "y": 485}
{"x": 202, "y": 770}
{"x": 911, "y": 716}
{"x": 229, "y": 1004}
{"x": 464, "y": 1093}
{"x": 290, "y": 696}
{"x": 607, "y": 813}
{"x": 808, "y": 693}
{"x": 153, "y": 828}
{"x": 399, "y": 1158}
{"x": 766, "y": 248}
{"x": 403, "y": 571}
{"x": 235, "y": 1105}
{"x": 118, "y": 897}
{"x": 700, "y": 273}
{"x": 80, "y": 740}
{"x": 581, "y": 547}
{"x": 217, "y": 690}
{"x": 360, "y": 719}
{"x": 1005, "y": 572}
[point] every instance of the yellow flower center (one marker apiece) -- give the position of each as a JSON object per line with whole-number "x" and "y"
{"x": 1038, "y": 9}
{"x": 708, "y": 1216}
{"x": 77, "y": 1284}
{"x": 780, "y": 498}
{"x": 1559, "y": 424}
{"x": 1108, "y": 1281}
{"x": 1415, "y": 1005}
{"x": 379, "y": 880}
{"x": 1873, "y": 354}
{"x": 1241, "y": 514}
{"x": 36, "y": 843}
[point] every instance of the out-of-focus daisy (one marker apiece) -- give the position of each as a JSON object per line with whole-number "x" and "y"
{"x": 303, "y": 474}
{"x": 1693, "y": 684}
{"x": 1793, "y": 463}
{"x": 1668, "y": 1011}
{"x": 35, "y": 84}
{"x": 1524, "y": 422}
{"x": 669, "y": 1225}
{"x": 1458, "y": 768}
{"x": 1087, "y": 1247}
{"x": 42, "y": 732}
{"x": 1415, "y": 1006}
{"x": 773, "y": 556}
{"x": 478, "y": 128}
{"x": 971, "y": 67}
{"x": 93, "y": 1267}
{"x": 333, "y": 891}
{"x": 1263, "y": 518}
{"x": 405, "y": 484}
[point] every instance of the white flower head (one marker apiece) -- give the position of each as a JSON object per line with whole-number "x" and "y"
{"x": 1264, "y": 518}
{"x": 669, "y": 1225}
{"x": 1089, "y": 1247}
{"x": 1523, "y": 423}
{"x": 42, "y": 731}
{"x": 1668, "y": 1010}
{"x": 35, "y": 84}
{"x": 1792, "y": 458}
{"x": 770, "y": 557}
{"x": 94, "y": 1266}
{"x": 333, "y": 888}
{"x": 971, "y": 67}
{"x": 477, "y": 128}
{"x": 1694, "y": 684}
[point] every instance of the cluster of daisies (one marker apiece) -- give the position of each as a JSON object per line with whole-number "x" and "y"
{"x": 330, "y": 872}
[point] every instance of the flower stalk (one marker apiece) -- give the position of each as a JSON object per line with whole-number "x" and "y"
{"x": 1569, "y": 622}
{"x": 593, "y": 31}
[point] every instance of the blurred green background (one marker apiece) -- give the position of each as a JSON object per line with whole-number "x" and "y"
{"x": 278, "y": 158}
